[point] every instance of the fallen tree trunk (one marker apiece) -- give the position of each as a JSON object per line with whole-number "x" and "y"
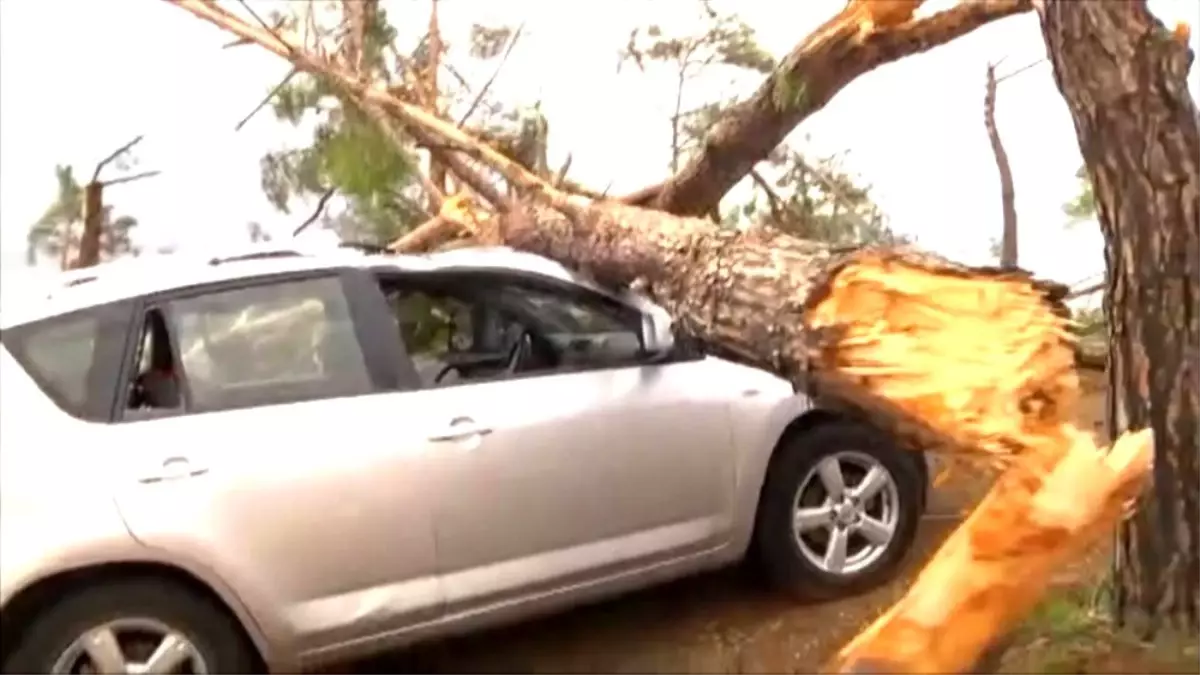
{"x": 949, "y": 358}
{"x": 802, "y": 309}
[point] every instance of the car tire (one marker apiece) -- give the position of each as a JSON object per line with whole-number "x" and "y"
{"x": 798, "y": 564}
{"x": 135, "y": 612}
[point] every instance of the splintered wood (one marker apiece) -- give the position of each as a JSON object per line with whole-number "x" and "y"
{"x": 977, "y": 360}
{"x": 976, "y": 364}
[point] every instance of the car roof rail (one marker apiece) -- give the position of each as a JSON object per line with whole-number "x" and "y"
{"x": 365, "y": 247}
{"x": 256, "y": 255}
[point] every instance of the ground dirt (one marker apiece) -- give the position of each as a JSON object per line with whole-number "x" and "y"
{"x": 728, "y": 623}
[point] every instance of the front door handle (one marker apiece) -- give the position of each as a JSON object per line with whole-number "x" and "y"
{"x": 460, "y": 428}
{"x": 174, "y": 468}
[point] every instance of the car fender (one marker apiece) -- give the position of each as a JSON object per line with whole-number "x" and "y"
{"x": 92, "y": 535}
{"x": 44, "y": 539}
{"x": 762, "y": 407}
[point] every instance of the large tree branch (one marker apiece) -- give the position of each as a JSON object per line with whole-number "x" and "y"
{"x": 425, "y": 127}
{"x": 807, "y": 79}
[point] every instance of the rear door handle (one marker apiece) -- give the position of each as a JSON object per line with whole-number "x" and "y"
{"x": 173, "y": 468}
{"x": 460, "y": 428}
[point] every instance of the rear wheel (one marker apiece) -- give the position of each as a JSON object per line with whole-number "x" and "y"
{"x": 839, "y": 510}
{"x": 132, "y": 627}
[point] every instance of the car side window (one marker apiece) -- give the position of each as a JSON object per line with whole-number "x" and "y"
{"x": 70, "y": 357}
{"x": 444, "y": 328}
{"x": 473, "y": 328}
{"x": 585, "y": 331}
{"x": 260, "y": 345}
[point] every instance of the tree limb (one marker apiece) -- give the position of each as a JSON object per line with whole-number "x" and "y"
{"x": 773, "y": 200}
{"x": 267, "y": 99}
{"x": 129, "y": 179}
{"x": 805, "y": 81}
{"x": 112, "y": 156}
{"x": 512, "y": 42}
{"x": 1086, "y": 290}
{"x": 321, "y": 203}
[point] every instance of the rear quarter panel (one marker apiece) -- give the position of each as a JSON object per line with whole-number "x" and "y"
{"x": 58, "y": 511}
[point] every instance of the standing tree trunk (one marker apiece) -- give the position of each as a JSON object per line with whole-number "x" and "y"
{"x": 93, "y": 225}
{"x": 1124, "y": 79}
{"x": 1008, "y": 199}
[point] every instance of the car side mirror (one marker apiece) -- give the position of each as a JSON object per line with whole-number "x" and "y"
{"x": 657, "y": 336}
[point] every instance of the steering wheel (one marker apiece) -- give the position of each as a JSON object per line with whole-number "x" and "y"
{"x": 519, "y": 353}
{"x": 446, "y": 370}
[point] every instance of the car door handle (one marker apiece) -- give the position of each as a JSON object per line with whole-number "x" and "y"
{"x": 173, "y": 468}
{"x": 460, "y": 428}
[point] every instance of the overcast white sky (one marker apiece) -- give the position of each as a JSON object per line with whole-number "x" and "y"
{"x": 80, "y": 77}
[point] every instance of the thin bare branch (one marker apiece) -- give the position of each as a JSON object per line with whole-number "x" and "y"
{"x": 265, "y": 26}
{"x": 773, "y": 200}
{"x": 1018, "y": 71}
{"x": 267, "y": 99}
{"x": 1086, "y": 290}
{"x": 561, "y": 176}
{"x": 512, "y": 42}
{"x": 321, "y": 203}
{"x": 115, "y": 154}
{"x": 130, "y": 179}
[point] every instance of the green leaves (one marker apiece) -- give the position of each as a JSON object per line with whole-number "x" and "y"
{"x": 348, "y": 154}
{"x": 62, "y": 224}
{"x": 488, "y": 41}
{"x": 725, "y": 41}
{"x": 1083, "y": 206}
{"x": 816, "y": 199}
{"x": 787, "y": 91}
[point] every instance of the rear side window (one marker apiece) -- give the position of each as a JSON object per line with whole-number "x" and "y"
{"x": 266, "y": 344}
{"x": 72, "y": 358}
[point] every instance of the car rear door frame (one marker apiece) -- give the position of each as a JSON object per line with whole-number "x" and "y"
{"x": 387, "y": 362}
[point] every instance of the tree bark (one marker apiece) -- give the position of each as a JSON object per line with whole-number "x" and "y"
{"x": 93, "y": 226}
{"x": 1124, "y": 79}
{"x": 790, "y": 306}
{"x": 1008, "y": 198}
{"x": 805, "y": 81}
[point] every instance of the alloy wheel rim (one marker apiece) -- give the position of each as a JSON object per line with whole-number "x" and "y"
{"x": 845, "y": 513}
{"x": 131, "y": 645}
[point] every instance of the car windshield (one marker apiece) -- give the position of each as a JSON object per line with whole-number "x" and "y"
{"x": 560, "y": 314}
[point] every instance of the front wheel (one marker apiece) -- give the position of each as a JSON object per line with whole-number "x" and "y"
{"x": 132, "y": 627}
{"x": 839, "y": 511}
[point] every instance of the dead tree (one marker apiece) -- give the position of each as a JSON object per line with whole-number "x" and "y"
{"x": 93, "y": 208}
{"x": 1008, "y": 238}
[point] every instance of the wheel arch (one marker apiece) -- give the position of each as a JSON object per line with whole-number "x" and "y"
{"x": 820, "y": 416}
{"x": 20, "y": 609}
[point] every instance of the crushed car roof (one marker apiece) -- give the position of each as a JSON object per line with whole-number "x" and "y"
{"x": 134, "y": 277}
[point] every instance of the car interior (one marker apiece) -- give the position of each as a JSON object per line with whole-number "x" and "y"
{"x": 467, "y": 332}
{"x": 156, "y": 384}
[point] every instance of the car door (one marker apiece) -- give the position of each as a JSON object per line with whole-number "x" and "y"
{"x": 277, "y": 458}
{"x": 565, "y": 475}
